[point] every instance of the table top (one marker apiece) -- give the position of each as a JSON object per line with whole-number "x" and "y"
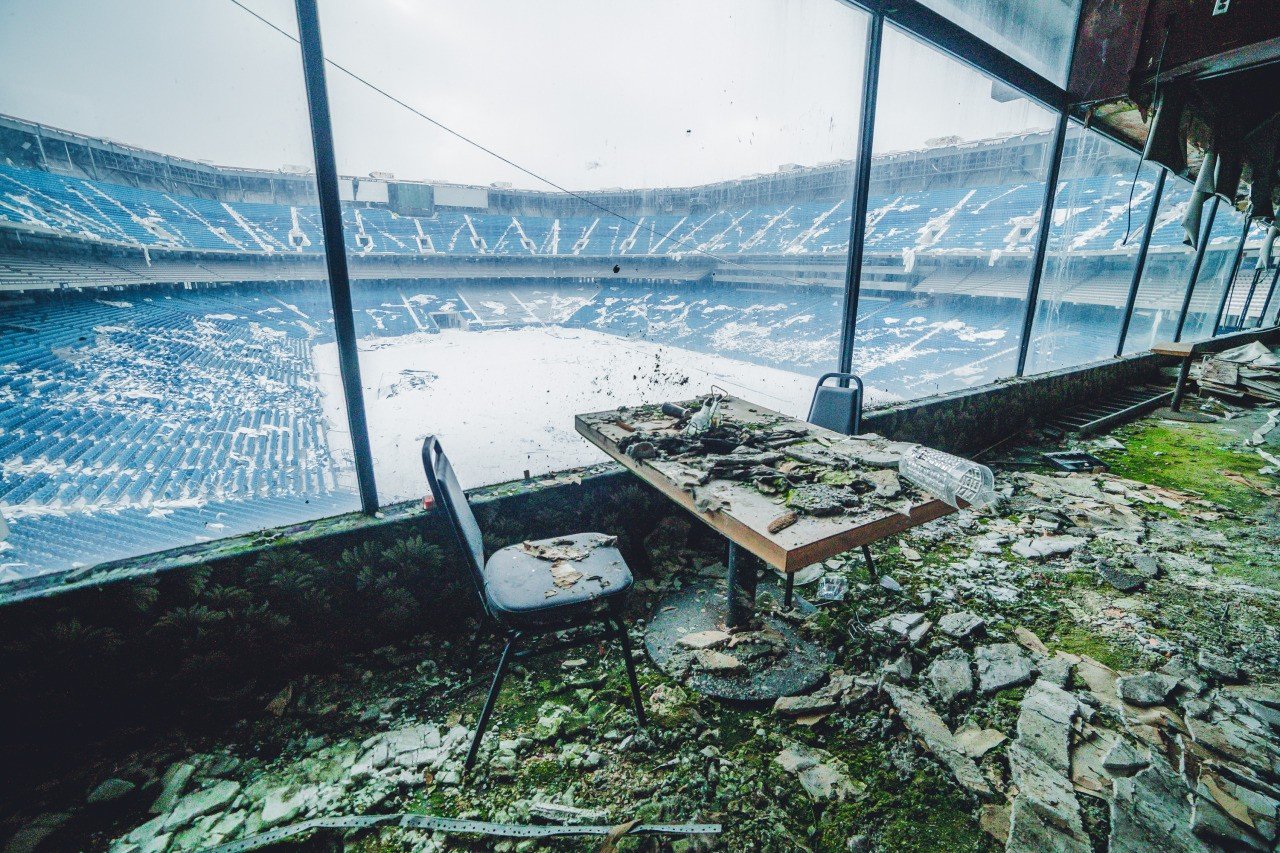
{"x": 742, "y": 512}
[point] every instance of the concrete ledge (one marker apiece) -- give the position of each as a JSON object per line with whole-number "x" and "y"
{"x": 976, "y": 418}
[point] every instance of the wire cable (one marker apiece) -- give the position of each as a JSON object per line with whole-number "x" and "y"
{"x": 558, "y": 187}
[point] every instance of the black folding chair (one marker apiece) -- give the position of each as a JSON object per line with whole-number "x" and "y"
{"x": 837, "y": 408}
{"x": 519, "y": 593}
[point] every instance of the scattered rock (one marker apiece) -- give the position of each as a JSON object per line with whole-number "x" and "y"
{"x": 923, "y": 721}
{"x": 110, "y": 790}
{"x": 1219, "y": 667}
{"x": 978, "y": 742}
{"x": 993, "y": 819}
{"x": 713, "y": 661}
{"x": 1001, "y": 665}
{"x": 1128, "y": 577}
{"x": 30, "y": 837}
{"x": 704, "y": 639}
{"x": 1147, "y": 689}
{"x": 950, "y": 676}
{"x": 888, "y": 582}
{"x": 283, "y": 805}
{"x": 1152, "y": 811}
{"x": 1057, "y": 670}
{"x": 803, "y": 706}
{"x": 1029, "y": 641}
{"x": 173, "y": 784}
{"x": 1041, "y": 547}
{"x": 1044, "y": 724}
{"x": 910, "y": 627}
{"x": 1123, "y": 760}
{"x": 1046, "y": 813}
{"x": 898, "y": 669}
{"x": 961, "y": 625}
{"x": 201, "y": 802}
{"x": 819, "y": 775}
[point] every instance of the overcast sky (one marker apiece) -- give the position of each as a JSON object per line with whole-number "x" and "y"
{"x": 589, "y": 93}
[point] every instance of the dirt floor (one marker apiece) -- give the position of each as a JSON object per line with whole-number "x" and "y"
{"x": 1089, "y": 664}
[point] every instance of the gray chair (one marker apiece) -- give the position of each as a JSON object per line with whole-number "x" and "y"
{"x": 839, "y": 409}
{"x": 519, "y": 593}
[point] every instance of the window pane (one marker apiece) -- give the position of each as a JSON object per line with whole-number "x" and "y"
{"x": 158, "y": 315}
{"x": 1164, "y": 277}
{"x": 1215, "y": 274}
{"x": 1093, "y": 248}
{"x": 956, "y": 189}
{"x": 673, "y": 223}
{"x": 1038, "y": 33}
{"x": 1249, "y": 289}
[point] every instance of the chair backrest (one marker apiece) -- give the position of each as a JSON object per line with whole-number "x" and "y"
{"x": 449, "y": 496}
{"x": 835, "y": 407}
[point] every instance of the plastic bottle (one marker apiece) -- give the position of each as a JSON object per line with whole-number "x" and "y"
{"x": 949, "y": 478}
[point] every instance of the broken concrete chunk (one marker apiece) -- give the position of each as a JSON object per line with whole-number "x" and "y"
{"x": 802, "y": 706}
{"x": 961, "y": 625}
{"x": 911, "y": 627}
{"x": 1029, "y": 641}
{"x": 704, "y": 639}
{"x": 1046, "y": 813}
{"x": 1123, "y": 760}
{"x": 713, "y": 661}
{"x": 886, "y": 482}
{"x": 1057, "y": 670}
{"x": 1044, "y": 724}
{"x": 201, "y": 802}
{"x": 173, "y": 783}
{"x": 1042, "y": 547}
{"x": 1152, "y": 811}
{"x": 110, "y": 790}
{"x": 819, "y": 774}
{"x": 923, "y": 721}
{"x": 978, "y": 742}
{"x": 1147, "y": 689}
{"x": 1219, "y": 667}
{"x": 1001, "y": 665}
{"x": 950, "y": 676}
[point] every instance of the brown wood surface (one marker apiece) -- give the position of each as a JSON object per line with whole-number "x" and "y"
{"x": 745, "y": 520}
{"x": 1181, "y": 349}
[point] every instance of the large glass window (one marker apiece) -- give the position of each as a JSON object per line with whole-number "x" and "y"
{"x": 1215, "y": 274}
{"x": 159, "y": 315}
{"x": 1099, "y": 215}
{"x": 957, "y": 185}
{"x": 1038, "y": 33}
{"x": 1249, "y": 288}
{"x": 1164, "y": 277}
{"x": 553, "y": 237}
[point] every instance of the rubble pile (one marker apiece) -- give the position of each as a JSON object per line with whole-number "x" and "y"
{"x": 1249, "y": 373}
{"x": 1069, "y": 669}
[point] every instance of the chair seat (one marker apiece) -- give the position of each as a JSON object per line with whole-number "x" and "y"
{"x": 522, "y": 590}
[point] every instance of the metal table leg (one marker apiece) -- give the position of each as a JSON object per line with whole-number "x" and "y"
{"x": 1181, "y": 387}
{"x": 742, "y": 590}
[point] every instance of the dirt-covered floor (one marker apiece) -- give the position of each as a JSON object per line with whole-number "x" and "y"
{"x": 1089, "y": 664}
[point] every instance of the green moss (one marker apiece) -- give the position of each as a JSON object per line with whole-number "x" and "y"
{"x": 1190, "y": 458}
{"x": 1077, "y": 641}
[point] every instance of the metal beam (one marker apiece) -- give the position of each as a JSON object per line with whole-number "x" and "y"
{"x": 1201, "y": 245}
{"x": 949, "y": 37}
{"x": 1141, "y": 263}
{"x": 1231, "y": 282}
{"x": 335, "y": 251}
{"x": 861, "y": 189}
{"x": 1266, "y": 306}
{"x": 1042, "y": 239}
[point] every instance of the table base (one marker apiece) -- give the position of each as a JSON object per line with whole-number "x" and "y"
{"x": 702, "y": 606}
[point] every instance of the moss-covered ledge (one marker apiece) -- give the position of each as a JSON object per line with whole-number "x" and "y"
{"x": 211, "y": 631}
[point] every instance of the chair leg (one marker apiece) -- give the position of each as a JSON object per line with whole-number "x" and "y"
{"x": 631, "y": 671}
{"x": 871, "y": 564}
{"x": 788, "y": 590}
{"x": 487, "y": 711}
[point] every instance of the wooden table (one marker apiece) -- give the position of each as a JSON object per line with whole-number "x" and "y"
{"x": 745, "y": 519}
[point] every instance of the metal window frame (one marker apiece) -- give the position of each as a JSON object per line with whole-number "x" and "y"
{"x": 1266, "y": 305}
{"x": 1231, "y": 281}
{"x": 1042, "y": 240}
{"x": 861, "y": 189}
{"x": 335, "y": 248}
{"x": 1201, "y": 245}
{"x": 1141, "y": 265}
